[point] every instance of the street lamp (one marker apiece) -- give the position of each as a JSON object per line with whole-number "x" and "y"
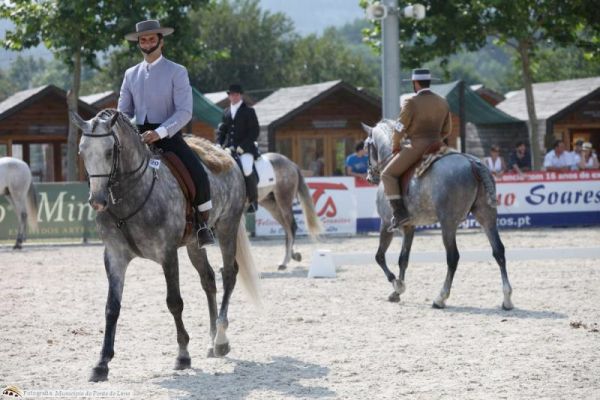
{"x": 388, "y": 13}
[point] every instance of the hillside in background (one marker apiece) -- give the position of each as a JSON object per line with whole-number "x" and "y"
{"x": 313, "y": 16}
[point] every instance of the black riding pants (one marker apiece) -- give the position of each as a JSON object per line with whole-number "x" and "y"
{"x": 190, "y": 159}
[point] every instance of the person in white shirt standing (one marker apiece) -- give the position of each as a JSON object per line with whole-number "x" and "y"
{"x": 158, "y": 94}
{"x": 558, "y": 159}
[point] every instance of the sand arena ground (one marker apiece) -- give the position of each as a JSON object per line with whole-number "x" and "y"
{"x": 314, "y": 338}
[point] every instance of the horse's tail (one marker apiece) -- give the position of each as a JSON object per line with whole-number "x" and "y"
{"x": 32, "y": 207}
{"x": 247, "y": 269}
{"x": 313, "y": 222}
{"x": 486, "y": 178}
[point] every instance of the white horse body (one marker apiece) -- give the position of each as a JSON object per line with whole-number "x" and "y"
{"x": 16, "y": 183}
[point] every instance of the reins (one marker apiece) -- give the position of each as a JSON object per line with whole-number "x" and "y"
{"x": 116, "y": 178}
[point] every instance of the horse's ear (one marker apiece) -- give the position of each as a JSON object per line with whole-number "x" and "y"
{"x": 113, "y": 120}
{"x": 78, "y": 121}
{"x": 367, "y": 128}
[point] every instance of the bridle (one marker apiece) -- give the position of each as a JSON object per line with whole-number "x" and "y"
{"x": 374, "y": 168}
{"x": 115, "y": 176}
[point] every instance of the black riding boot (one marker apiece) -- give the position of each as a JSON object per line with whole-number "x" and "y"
{"x": 400, "y": 216}
{"x": 252, "y": 192}
{"x": 204, "y": 235}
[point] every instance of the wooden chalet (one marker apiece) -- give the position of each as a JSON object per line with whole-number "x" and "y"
{"x": 567, "y": 110}
{"x": 317, "y": 125}
{"x": 34, "y": 126}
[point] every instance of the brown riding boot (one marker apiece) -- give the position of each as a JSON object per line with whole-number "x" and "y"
{"x": 204, "y": 235}
{"x": 400, "y": 216}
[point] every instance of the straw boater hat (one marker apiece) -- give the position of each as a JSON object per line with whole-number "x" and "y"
{"x": 421, "y": 74}
{"x": 587, "y": 146}
{"x": 146, "y": 28}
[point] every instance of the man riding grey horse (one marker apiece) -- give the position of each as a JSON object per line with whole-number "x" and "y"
{"x": 158, "y": 94}
{"x": 238, "y": 132}
{"x": 425, "y": 121}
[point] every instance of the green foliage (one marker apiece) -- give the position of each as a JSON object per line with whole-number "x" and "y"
{"x": 7, "y": 87}
{"x": 325, "y": 58}
{"x": 242, "y": 44}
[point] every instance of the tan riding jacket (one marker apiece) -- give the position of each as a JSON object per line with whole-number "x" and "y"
{"x": 425, "y": 118}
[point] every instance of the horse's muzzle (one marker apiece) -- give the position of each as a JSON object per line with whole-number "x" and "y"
{"x": 98, "y": 202}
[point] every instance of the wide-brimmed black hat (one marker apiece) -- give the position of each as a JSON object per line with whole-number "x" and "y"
{"x": 235, "y": 88}
{"x": 146, "y": 28}
{"x": 421, "y": 74}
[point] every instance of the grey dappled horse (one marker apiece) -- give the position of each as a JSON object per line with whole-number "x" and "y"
{"x": 278, "y": 200}
{"x": 454, "y": 185}
{"x": 141, "y": 213}
{"x": 16, "y": 183}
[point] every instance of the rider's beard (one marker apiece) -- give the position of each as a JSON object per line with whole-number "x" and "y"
{"x": 150, "y": 50}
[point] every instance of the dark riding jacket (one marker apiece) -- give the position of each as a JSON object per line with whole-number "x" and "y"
{"x": 241, "y": 131}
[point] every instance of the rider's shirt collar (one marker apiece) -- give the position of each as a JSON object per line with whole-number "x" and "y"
{"x": 148, "y": 66}
{"x": 424, "y": 90}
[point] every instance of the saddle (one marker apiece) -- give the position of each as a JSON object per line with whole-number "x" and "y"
{"x": 181, "y": 173}
{"x": 433, "y": 153}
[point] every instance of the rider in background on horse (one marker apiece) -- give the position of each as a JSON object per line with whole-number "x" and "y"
{"x": 158, "y": 94}
{"x": 238, "y": 133}
{"x": 425, "y": 121}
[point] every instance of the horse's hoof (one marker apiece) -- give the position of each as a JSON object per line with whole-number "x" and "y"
{"x": 297, "y": 257}
{"x": 282, "y": 267}
{"x": 99, "y": 374}
{"x": 507, "y": 307}
{"x": 17, "y": 247}
{"x": 394, "y": 297}
{"x": 183, "y": 363}
{"x": 222, "y": 349}
{"x": 210, "y": 353}
{"x": 438, "y": 306}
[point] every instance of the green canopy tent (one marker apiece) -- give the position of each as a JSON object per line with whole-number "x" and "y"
{"x": 205, "y": 110}
{"x": 493, "y": 126}
{"x": 477, "y": 110}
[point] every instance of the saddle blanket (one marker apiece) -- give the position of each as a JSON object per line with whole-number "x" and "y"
{"x": 266, "y": 173}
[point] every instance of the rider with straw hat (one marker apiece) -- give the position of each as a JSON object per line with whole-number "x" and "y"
{"x": 158, "y": 94}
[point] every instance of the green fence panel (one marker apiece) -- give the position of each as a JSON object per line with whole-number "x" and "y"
{"x": 63, "y": 212}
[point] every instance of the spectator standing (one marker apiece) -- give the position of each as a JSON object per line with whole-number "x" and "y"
{"x": 317, "y": 165}
{"x": 558, "y": 159}
{"x": 520, "y": 159}
{"x": 357, "y": 163}
{"x": 588, "y": 159}
{"x": 495, "y": 162}
{"x": 576, "y": 154}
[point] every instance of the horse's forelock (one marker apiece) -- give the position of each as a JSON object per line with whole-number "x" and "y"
{"x": 124, "y": 124}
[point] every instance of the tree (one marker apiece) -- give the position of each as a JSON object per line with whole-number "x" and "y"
{"x": 452, "y": 26}
{"x": 75, "y": 31}
{"x": 329, "y": 57}
{"x": 241, "y": 43}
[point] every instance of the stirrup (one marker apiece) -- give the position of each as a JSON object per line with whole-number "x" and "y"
{"x": 397, "y": 225}
{"x": 252, "y": 208}
{"x": 204, "y": 236}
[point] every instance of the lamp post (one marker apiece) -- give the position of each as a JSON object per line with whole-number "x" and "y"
{"x": 388, "y": 13}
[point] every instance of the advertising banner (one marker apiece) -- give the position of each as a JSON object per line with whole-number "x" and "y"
{"x": 345, "y": 206}
{"x": 63, "y": 212}
{"x": 335, "y": 204}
